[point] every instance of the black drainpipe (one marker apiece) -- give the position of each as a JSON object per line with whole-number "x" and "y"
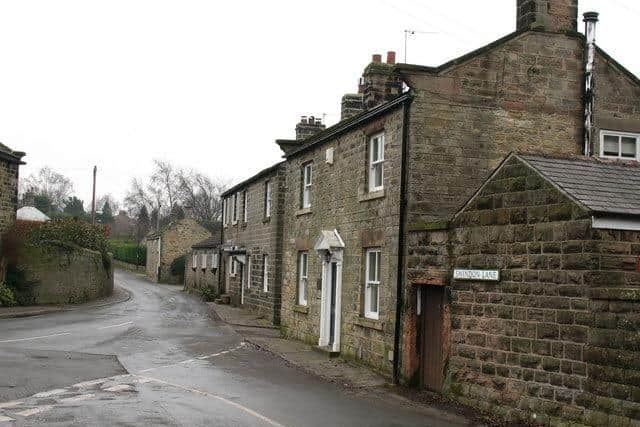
{"x": 401, "y": 242}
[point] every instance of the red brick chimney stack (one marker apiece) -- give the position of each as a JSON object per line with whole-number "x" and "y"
{"x": 391, "y": 57}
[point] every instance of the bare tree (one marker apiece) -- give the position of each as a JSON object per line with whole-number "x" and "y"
{"x": 56, "y": 187}
{"x": 164, "y": 179}
{"x": 138, "y": 197}
{"x": 113, "y": 203}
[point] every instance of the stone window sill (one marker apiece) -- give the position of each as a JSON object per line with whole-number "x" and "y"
{"x": 301, "y": 309}
{"x": 369, "y": 323}
{"x": 302, "y": 212}
{"x": 372, "y": 196}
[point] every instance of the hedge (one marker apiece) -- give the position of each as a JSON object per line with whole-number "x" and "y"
{"x": 128, "y": 252}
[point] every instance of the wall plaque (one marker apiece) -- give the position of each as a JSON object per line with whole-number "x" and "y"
{"x": 481, "y": 275}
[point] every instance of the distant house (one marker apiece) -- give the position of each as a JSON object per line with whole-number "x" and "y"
{"x": 202, "y": 266}
{"x": 166, "y": 246}
{"x": 31, "y": 213}
{"x": 123, "y": 226}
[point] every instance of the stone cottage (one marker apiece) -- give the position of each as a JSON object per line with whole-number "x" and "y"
{"x": 169, "y": 244}
{"x": 362, "y": 198}
{"x": 10, "y": 162}
{"x": 202, "y": 266}
{"x": 251, "y": 253}
{"x": 533, "y": 306}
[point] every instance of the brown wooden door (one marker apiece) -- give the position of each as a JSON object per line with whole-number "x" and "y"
{"x": 432, "y": 315}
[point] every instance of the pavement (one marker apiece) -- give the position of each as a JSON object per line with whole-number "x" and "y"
{"x": 119, "y": 295}
{"x": 257, "y": 330}
{"x": 160, "y": 359}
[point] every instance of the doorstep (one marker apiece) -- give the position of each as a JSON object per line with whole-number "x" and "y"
{"x": 326, "y": 350}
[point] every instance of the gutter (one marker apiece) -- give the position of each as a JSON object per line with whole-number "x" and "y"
{"x": 400, "y": 282}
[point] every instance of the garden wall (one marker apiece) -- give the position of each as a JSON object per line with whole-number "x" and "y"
{"x": 66, "y": 274}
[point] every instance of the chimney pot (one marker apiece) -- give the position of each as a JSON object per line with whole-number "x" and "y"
{"x": 391, "y": 57}
{"x": 591, "y": 17}
{"x": 376, "y": 58}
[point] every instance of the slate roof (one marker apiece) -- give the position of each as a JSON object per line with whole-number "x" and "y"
{"x": 612, "y": 188}
{"x": 7, "y": 153}
{"x": 210, "y": 242}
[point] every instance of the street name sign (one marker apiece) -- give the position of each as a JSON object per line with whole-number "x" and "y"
{"x": 481, "y": 275}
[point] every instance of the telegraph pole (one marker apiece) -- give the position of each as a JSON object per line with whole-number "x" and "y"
{"x": 93, "y": 200}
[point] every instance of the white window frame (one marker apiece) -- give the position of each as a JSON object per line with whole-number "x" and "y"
{"x": 267, "y": 198}
{"x": 248, "y": 271}
{"x": 234, "y": 216}
{"x": 232, "y": 267}
{"x": 620, "y": 135}
{"x": 370, "y": 282}
{"x": 376, "y": 160}
{"x": 307, "y": 182}
{"x": 303, "y": 278}
{"x": 203, "y": 257}
{"x": 194, "y": 261}
{"x": 245, "y": 208}
{"x": 224, "y": 212}
{"x": 214, "y": 260}
{"x": 265, "y": 273}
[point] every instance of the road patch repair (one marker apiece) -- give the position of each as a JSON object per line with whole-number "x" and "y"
{"x": 102, "y": 388}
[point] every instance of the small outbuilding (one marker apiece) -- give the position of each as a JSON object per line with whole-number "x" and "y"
{"x": 527, "y": 302}
{"x": 202, "y": 266}
{"x": 167, "y": 249}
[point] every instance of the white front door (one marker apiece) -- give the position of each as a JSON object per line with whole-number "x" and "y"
{"x": 330, "y": 306}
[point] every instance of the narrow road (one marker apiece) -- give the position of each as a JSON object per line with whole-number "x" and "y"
{"x": 159, "y": 360}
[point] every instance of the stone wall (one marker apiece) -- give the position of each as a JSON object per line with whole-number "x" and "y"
{"x": 8, "y": 194}
{"x": 201, "y": 277}
{"x": 557, "y": 337}
{"x": 152, "y": 258}
{"x": 521, "y": 95}
{"x": 340, "y": 201}
{"x": 259, "y": 236}
{"x": 66, "y": 274}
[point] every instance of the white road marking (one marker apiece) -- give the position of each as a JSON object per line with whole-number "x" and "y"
{"x": 119, "y": 387}
{"x": 142, "y": 380}
{"x": 209, "y": 356}
{"x": 221, "y": 399}
{"x": 77, "y": 398}
{"x": 37, "y": 338}
{"x": 10, "y": 404}
{"x": 50, "y": 393}
{"x": 4, "y": 419}
{"x": 33, "y": 411}
{"x": 116, "y": 326}
{"x": 89, "y": 383}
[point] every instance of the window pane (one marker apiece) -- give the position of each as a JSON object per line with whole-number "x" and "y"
{"x": 628, "y": 147}
{"x": 372, "y": 267}
{"x": 374, "y": 149}
{"x": 377, "y": 266}
{"x": 377, "y": 179}
{"x": 611, "y": 145}
{"x": 373, "y": 307}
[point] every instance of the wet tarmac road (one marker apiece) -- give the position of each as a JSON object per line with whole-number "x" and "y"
{"x": 159, "y": 360}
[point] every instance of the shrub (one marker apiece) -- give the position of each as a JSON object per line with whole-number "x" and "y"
{"x": 208, "y": 294}
{"x": 71, "y": 230}
{"x": 7, "y": 298}
{"x": 128, "y": 252}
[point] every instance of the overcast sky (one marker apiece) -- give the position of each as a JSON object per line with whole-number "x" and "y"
{"x": 210, "y": 85}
